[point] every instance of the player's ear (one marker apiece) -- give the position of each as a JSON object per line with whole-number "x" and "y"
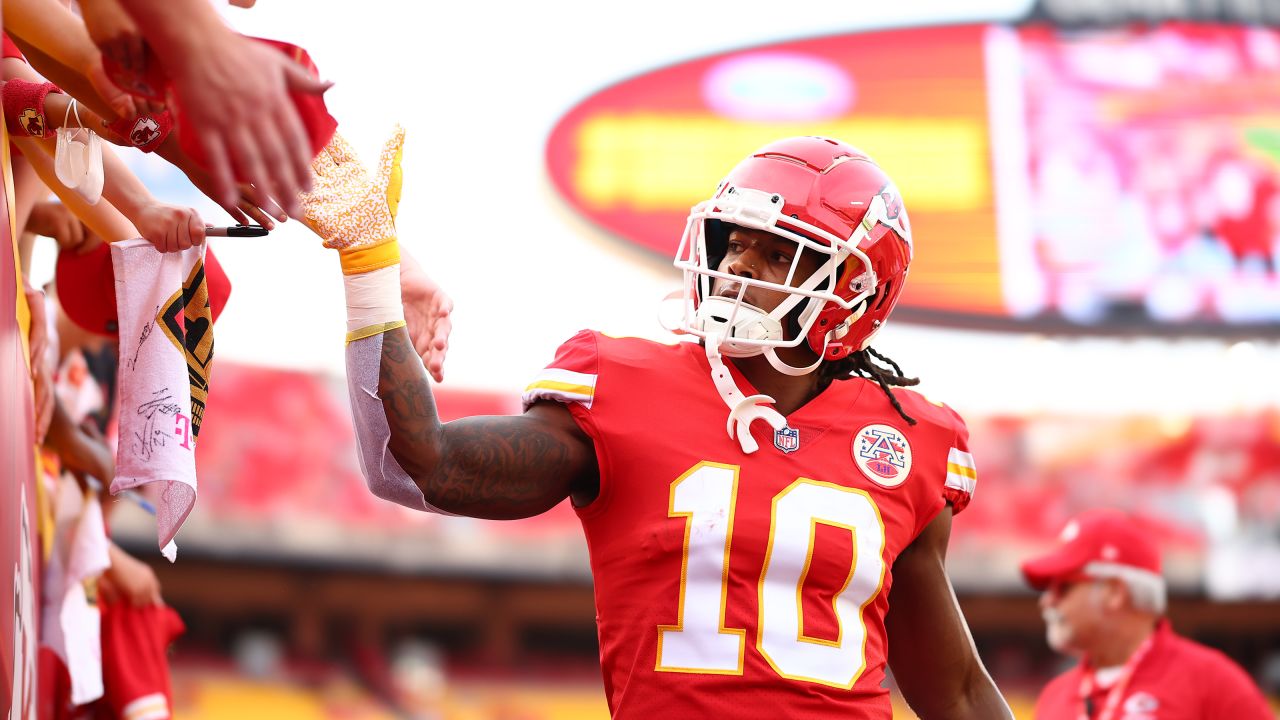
{"x": 1116, "y": 595}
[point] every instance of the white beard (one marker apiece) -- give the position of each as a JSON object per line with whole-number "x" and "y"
{"x": 1057, "y": 632}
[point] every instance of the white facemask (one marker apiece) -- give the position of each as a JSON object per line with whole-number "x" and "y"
{"x": 77, "y": 161}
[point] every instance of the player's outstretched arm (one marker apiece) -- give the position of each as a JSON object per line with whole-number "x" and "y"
{"x": 930, "y": 650}
{"x": 490, "y": 467}
{"x": 493, "y": 467}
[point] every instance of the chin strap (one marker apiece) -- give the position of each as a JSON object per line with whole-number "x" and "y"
{"x": 743, "y": 411}
{"x": 771, "y": 354}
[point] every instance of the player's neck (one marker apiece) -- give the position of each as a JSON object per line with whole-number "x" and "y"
{"x": 789, "y": 392}
{"x": 1120, "y": 642}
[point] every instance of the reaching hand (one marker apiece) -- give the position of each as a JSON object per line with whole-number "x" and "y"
{"x": 237, "y": 102}
{"x": 353, "y": 213}
{"x": 41, "y": 361}
{"x": 115, "y": 34}
{"x": 120, "y": 101}
{"x": 348, "y": 209}
{"x": 248, "y": 203}
{"x": 53, "y": 220}
{"x": 427, "y": 312}
{"x": 119, "y": 39}
{"x": 168, "y": 227}
{"x": 262, "y": 209}
{"x": 129, "y": 580}
{"x": 83, "y": 453}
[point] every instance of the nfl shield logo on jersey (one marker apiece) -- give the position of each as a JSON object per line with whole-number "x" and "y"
{"x": 883, "y": 454}
{"x": 786, "y": 439}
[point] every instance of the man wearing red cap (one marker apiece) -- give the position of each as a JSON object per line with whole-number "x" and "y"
{"x": 1103, "y": 600}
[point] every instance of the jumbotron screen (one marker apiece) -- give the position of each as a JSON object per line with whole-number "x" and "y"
{"x": 1122, "y": 179}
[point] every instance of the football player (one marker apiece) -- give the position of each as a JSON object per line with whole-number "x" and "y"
{"x": 767, "y": 516}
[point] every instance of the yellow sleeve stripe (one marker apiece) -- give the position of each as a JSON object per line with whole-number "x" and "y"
{"x": 961, "y": 483}
{"x": 372, "y": 330}
{"x": 560, "y": 385}
{"x": 962, "y": 473}
{"x": 563, "y": 387}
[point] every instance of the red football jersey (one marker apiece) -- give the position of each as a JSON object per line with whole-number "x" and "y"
{"x": 1177, "y": 679}
{"x": 135, "y": 661}
{"x": 747, "y": 586}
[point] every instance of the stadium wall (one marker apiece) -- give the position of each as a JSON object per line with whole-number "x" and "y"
{"x": 17, "y": 477}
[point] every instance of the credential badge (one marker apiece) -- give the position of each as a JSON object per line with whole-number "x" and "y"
{"x": 1141, "y": 704}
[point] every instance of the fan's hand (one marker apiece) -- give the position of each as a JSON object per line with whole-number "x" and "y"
{"x": 427, "y": 311}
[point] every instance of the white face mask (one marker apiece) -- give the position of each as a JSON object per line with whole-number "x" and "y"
{"x": 77, "y": 161}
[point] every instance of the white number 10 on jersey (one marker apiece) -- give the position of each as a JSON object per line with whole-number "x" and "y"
{"x": 706, "y": 497}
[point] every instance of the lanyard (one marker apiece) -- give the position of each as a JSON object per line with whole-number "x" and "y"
{"x": 1116, "y": 694}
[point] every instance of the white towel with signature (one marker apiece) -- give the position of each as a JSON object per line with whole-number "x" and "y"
{"x": 166, "y": 349}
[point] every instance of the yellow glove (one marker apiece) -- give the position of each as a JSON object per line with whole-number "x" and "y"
{"x": 352, "y": 212}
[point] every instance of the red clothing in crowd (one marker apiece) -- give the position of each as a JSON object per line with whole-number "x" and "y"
{"x": 135, "y": 668}
{"x": 135, "y": 661}
{"x": 11, "y": 49}
{"x": 1176, "y": 679}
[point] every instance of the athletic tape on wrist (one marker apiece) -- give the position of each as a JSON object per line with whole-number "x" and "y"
{"x": 24, "y": 107}
{"x": 144, "y": 132}
{"x": 373, "y": 302}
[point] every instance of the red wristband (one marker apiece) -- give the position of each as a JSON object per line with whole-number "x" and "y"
{"x": 144, "y": 132}
{"x": 24, "y": 108}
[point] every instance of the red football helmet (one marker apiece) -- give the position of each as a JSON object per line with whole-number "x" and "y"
{"x": 828, "y": 197}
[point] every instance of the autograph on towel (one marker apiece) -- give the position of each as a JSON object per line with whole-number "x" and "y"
{"x": 146, "y": 333}
{"x": 152, "y": 437}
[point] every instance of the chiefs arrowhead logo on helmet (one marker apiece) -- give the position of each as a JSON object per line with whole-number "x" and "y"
{"x": 895, "y": 215}
{"x": 836, "y": 200}
{"x": 892, "y": 202}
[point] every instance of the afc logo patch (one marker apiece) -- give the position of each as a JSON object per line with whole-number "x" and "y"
{"x": 786, "y": 439}
{"x": 882, "y": 454}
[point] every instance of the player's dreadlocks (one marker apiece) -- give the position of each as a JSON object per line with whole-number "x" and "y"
{"x": 863, "y": 364}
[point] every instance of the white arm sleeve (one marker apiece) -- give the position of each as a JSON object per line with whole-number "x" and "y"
{"x": 385, "y": 477}
{"x": 373, "y": 308}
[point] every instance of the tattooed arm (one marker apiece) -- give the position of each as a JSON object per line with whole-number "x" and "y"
{"x": 494, "y": 467}
{"x": 487, "y": 467}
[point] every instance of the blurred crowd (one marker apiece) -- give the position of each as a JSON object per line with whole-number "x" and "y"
{"x": 1207, "y": 485}
{"x": 84, "y": 83}
{"x": 1156, "y": 183}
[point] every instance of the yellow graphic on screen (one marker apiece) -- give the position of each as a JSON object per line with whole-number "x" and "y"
{"x": 650, "y": 161}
